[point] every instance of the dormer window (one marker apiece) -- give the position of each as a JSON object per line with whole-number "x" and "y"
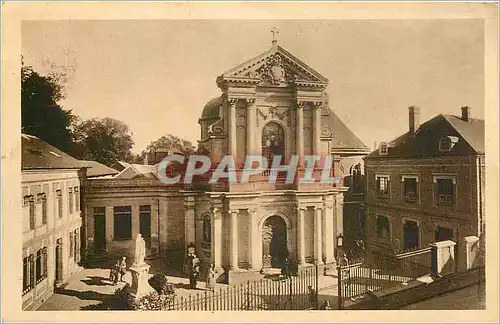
{"x": 447, "y": 142}
{"x": 383, "y": 148}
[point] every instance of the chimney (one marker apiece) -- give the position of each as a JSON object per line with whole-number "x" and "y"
{"x": 146, "y": 162}
{"x": 414, "y": 118}
{"x": 465, "y": 113}
{"x": 375, "y": 145}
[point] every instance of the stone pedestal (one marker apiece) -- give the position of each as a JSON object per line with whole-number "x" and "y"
{"x": 443, "y": 257}
{"x": 140, "y": 285}
{"x": 471, "y": 250}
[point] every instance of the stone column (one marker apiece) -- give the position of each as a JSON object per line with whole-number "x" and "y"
{"x": 189, "y": 222}
{"x": 328, "y": 235}
{"x": 109, "y": 224}
{"x": 155, "y": 210}
{"x": 318, "y": 233}
{"x": 59, "y": 261}
{"x": 136, "y": 224}
{"x": 232, "y": 126}
{"x": 300, "y": 132}
{"x": 250, "y": 126}
{"x": 317, "y": 128}
{"x": 254, "y": 260}
{"x": 216, "y": 248}
{"x": 301, "y": 251}
{"x": 233, "y": 256}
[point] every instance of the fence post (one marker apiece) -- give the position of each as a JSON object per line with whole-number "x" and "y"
{"x": 205, "y": 301}
{"x": 339, "y": 286}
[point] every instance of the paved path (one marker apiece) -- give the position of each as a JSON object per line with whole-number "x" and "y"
{"x": 88, "y": 288}
{"x": 470, "y": 298}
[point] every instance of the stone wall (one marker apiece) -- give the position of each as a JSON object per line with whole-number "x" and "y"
{"x": 416, "y": 290}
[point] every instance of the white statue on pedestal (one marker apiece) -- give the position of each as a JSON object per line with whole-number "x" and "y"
{"x": 140, "y": 250}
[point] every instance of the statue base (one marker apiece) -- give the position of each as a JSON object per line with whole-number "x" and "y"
{"x": 140, "y": 285}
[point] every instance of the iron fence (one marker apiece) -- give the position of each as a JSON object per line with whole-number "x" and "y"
{"x": 277, "y": 293}
{"x": 380, "y": 270}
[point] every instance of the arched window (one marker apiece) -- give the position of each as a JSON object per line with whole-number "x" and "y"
{"x": 273, "y": 141}
{"x": 207, "y": 229}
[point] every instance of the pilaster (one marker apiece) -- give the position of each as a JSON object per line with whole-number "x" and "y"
{"x": 233, "y": 256}
{"x": 318, "y": 245}
{"x": 254, "y": 260}
{"x": 216, "y": 248}
{"x": 300, "y": 132}
{"x": 301, "y": 253}
{"x": 232, "y": 126}
{"x": 250, "y": 131}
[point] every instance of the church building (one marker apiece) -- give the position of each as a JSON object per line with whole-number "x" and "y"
{"x": 271, "y": 105}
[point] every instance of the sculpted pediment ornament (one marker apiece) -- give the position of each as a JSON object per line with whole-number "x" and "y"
{"x": 273, "y": 113}
{"x": 278, "y": 70}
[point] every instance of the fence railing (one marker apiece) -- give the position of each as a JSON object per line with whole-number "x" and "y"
{"x": 279, "y": 293}
{"x": 379, "y": 271}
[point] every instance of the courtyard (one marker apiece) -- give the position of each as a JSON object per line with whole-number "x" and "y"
{"x": 91, "y": 289}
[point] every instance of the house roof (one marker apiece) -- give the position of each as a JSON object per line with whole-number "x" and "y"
{"x": 38, "y": 154}
{"x": 138, "y": 171}
{"x": 425, "y": 141}
{"x": 120, "y": 165}
{"x": 343, "y": 139}
{"x": 96, "y": 169}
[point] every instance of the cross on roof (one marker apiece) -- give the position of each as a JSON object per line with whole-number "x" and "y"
{"x": 275, "y": 31}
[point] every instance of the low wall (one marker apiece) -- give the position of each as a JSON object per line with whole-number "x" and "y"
{"x": 415, "y": 290}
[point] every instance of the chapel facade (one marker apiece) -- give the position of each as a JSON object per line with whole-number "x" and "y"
{"x": 272, "y": 105}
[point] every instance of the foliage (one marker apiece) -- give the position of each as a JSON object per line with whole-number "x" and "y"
{"x": 41, "y": 115}
{"x": 153, "y": 301}
{"x": 170, "y": 143}
{"x": 105, "y": 140}
{"x": 123, "y": 300}
{"x": 160, "y": 283}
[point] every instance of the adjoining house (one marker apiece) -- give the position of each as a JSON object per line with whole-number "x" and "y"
{"x": 427, "y": 185}
{"x": 51, "y": 182}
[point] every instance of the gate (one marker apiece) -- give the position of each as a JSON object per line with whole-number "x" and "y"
{"x": 360, "y": 276}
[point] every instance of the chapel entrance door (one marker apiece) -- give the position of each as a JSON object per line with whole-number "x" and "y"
{"x": 274, "y": 248}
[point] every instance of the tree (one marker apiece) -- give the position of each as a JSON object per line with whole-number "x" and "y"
{"x": 170, "y": 143}
{"x": 105, "y": 140}
{"x": 41, "y": 115}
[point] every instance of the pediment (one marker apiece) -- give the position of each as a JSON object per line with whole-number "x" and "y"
{"x": 276, "y": 67}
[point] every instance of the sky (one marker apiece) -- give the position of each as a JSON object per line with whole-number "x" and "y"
{"x": 157, "y": 75}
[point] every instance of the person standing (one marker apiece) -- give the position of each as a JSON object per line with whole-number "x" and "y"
{"x": 123, "y": 268}
{"x": 211, "y": 278}
{"x": 195, "y": 270}
{"x": 116, "y": 271}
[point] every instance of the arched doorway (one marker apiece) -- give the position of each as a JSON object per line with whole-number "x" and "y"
{"x": 274, "y": 242}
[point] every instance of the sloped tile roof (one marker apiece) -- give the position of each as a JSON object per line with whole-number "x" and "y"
{"x": 425, "y": 141}
{"x": 96, "y": 169}
{"x": 38, "y": 154}
{"x": 343, "y": 139}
